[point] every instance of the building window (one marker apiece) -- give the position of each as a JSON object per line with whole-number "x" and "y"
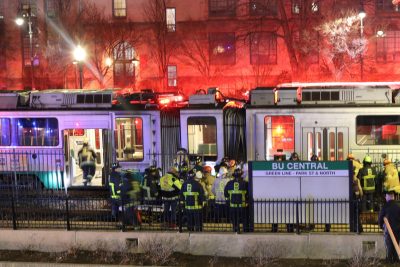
{"x": 119, "y": 8}
{"x": 171, "y": 19}
{"x": 263, "y": 48}
{"x": 25, "y": 5}
{"x": 387, "y": 6}
{"x": 202, "y": 137}
{"x": 52, "y": 8}
{"x": 124, "y": 68}
{"x": 313, "y": 7}
{"x": 263, "y": 7}
{"x": 172, "y": 76}
{"x": 388, "y": 47}
{"x": 296, "y": 7}
{"x": 222, "y": 8}
{"x": 222, "y": 48}
{"x": 128, "y": 139}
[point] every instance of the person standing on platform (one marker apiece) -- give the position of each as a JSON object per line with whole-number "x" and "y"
{"x": 192, "y": 200}
{"x": 115, "y": 184}
{"x": 221, "y": 209}
{"x": 236, "y": 192}
{"x": 170, "y": 188}
{"x": 390, "y": 211}
{"x": 367, "y": 176}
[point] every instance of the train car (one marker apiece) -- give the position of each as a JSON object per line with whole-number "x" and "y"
{"x": 43, "y": 131}
{"x": 329, "y": 120}
{"x": 213, "y": 127}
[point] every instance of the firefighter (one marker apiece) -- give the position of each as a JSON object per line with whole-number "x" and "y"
{"x": 294, "y": 157}
{"x": 150, "y": 184}
{"x": 198, "y": 164}
{"x": 357, "y": 191}
{"x": 87, "y": 157}
{"x": 367, "y": 176}
{"x": 391, "y": 181}
{"x": 208, "y": 181}
{"x": 115, "y": 184}
{"x": 391, "y": 210}
{"x": 170, "y": 188}
{"x": 192, "y": 200}
{"x": 231, "y": 167}
{"x": 130, "y": 191}
{"x": 357, "y": 188}
{"x": 221, "y": 209}
{"x": 236, "y": 192}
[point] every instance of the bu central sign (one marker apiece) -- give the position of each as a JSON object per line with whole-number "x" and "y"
{"x": 300, "y": 168}
{"x": 295, "y": 183}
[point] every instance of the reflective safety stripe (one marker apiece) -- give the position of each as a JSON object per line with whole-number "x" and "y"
{"x": 195, "y": 195}
{"x": 236, "y": 191}
{"x": 115, "y": 195}
{"x": 369, "y": 181}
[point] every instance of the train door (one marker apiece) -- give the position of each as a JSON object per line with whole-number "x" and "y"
{"x": 328, "y": 143}
{"x": 73, "y": 141}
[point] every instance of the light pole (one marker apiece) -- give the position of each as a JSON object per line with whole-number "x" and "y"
{"x": 79, "y": 56}
{"x": 20, "y": 21}
{"x": 362, "y": 15}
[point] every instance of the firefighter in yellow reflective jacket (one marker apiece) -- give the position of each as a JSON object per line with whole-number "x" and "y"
{"x": 391, "y": 182}
{"x": 367, "y": 176}
{"x": 170, "y": 188}
{"x": 192, "y": 200}
{"x": 236, "y": 192}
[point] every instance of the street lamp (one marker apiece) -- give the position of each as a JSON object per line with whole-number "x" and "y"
{"x": 80, "y": 56}
{"x": 361, "y": 16}
{"x": 26, "y": 15}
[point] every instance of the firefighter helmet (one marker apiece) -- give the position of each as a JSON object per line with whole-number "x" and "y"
{"x": 207, "y": 169}
{"x": 115, "y": 165}
{"x": 237, "y": 173}
{"x": 367, "y": 159}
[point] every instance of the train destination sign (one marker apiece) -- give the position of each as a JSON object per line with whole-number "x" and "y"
{"x": 300, "y": 168}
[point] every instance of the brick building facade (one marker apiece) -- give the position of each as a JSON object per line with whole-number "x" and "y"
{"x": 185, "y": 45}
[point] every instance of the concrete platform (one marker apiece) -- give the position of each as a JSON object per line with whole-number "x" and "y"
{"x": 304, "y": 246}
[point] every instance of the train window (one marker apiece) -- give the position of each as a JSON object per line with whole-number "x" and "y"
{"x": 5, "y": 130}
{"x": 128, "y": 138}
{"x": 202, "y": 137}
{"x": 279, "y": 135}
{"x": 37, "y": 131}
{"x": 378, "y": 130}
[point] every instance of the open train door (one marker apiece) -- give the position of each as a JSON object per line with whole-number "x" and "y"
{"x": 328, "y": 143}
{"x": 73, "y": 142}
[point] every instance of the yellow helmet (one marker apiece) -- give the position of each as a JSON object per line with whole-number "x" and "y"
{"x": 367, "y": 159}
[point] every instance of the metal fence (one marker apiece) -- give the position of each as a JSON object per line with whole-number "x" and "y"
{"x": 57, "y": 210}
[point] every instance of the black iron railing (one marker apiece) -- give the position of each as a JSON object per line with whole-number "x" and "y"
{"x": 57, "y": 210}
